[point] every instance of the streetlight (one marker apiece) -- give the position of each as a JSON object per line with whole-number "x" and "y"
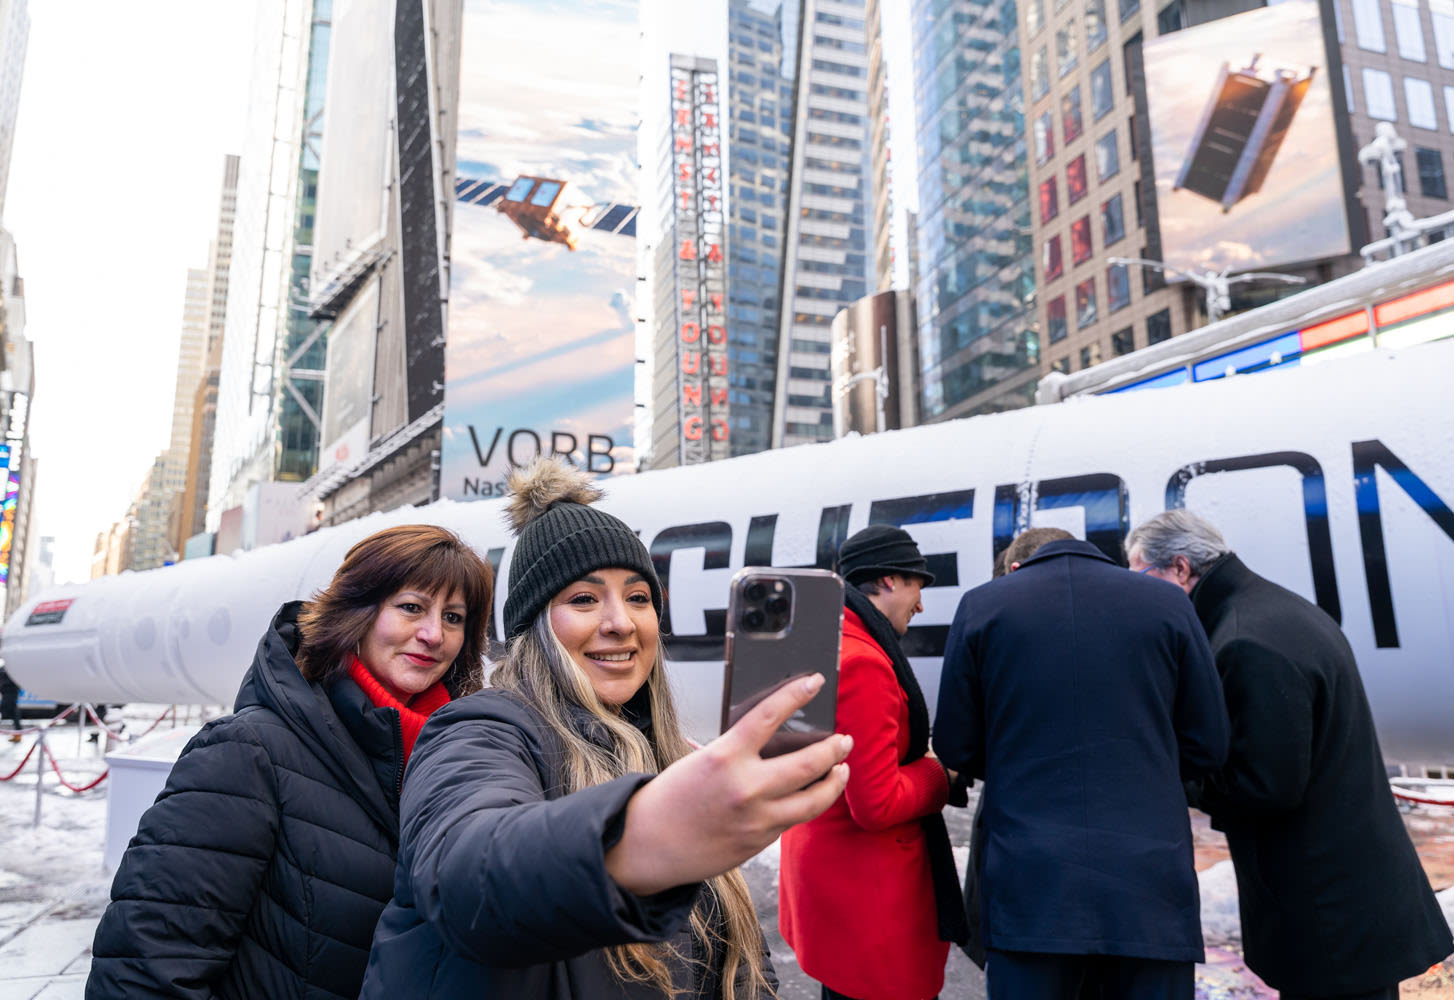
{"x": 1217, "y": 285}
{"x": 1403, "y": 229}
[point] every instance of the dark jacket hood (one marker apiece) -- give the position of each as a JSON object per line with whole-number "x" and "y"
{"x": 331, "y": 724}
{"x": 1067, "y": 547}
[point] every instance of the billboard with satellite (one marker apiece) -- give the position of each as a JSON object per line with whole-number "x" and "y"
{"x": 540, "y": 352}
{"x": 1244, "y": 141}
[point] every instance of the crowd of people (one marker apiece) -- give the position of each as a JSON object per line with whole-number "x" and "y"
{"x": 380, "y": 820}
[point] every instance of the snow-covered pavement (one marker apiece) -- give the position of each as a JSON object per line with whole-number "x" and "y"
{"x": 53, "y": 888}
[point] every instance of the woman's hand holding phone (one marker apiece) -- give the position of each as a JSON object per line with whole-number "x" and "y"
{"x": 714, "y": 809}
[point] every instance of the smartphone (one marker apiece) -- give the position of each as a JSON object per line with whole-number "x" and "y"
{"x": 783, "y": 625}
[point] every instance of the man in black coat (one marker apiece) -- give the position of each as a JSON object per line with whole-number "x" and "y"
{"x": 1334, "y": 901}
{"x": 1083, "y": 695}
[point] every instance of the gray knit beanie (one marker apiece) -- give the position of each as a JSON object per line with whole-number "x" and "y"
{"x": 561, "y": 538}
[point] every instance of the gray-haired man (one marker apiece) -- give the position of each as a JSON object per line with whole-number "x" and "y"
{"x": 1334, "y": 901}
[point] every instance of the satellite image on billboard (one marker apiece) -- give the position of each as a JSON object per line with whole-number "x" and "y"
{"x": 1243, "y": 142}
{"x": 540, "y": 354}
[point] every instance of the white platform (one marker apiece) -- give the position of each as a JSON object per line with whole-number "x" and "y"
{"x": 138, "y": 774}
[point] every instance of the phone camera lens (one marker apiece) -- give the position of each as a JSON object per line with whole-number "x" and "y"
{"x": 754, "y": 619}
{"x": 777, "y": 605}
{"x": 755, "y": 591}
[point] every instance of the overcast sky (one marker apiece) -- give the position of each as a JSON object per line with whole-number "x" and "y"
{"x": 126, "y": 113}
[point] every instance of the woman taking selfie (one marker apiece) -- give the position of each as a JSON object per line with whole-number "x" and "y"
{"x": 264, "y": 864}
{"x": 558, "y": 838}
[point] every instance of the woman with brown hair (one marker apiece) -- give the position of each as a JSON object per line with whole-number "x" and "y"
{"x": 266, "y": 861}
{"x": 559, "y": 838}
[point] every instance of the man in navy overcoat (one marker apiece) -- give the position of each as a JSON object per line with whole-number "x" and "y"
{"x": 1083, "y": 694}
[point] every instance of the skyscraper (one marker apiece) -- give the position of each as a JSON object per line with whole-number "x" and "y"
{"x": 760, "y": 102}
{"x": 271, "y": 386}
{"x": 192, "y": 512}
{"x": 827, "y": 251}
{"x": 977, "y": 343}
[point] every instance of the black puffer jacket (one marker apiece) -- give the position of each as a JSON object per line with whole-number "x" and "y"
{"x": 264, "y": 864}
{"x": 502, "y": 888}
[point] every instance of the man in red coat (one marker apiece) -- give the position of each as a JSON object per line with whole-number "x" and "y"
{"x": 868, "y": 895}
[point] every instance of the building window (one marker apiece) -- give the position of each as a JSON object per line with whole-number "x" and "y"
{"x": 1044, "y": 137}
{"x": 1113, "y": 220}
{"x": 1085, "y": 303}
{"x": 1118, "y": 289}
{"x": 1368, "y": 26}
{"x": 1408, "y": 32}
{"x": 1348, "y": 88}
{"x": 1066, "y": 57}
{"x": 1449, "y": 106}
{"x": 1378, "y": 95}
{"x": 1108, "y": 156}
{"x": 1061, "y": 365}
{"x": 1039, "y": 74}
{"x": 1075, "y": 181}
{"x": 1338, "y": 21}
{"x": 1095, "y": 24}
{"x": 1100, "y": 85}
{"x": 1055, "y": 318}
{"x": 1419, "y": 96}
{"x": 1090, "y": 355}
{"x": 1070, "y": 120}
{"x": 1441, "y": 12}
{"x": 1128, "y": 8}
{"x": 1034, "y": 17}
{"x": 1080, "y": 240}
{"x": 1431, "y": 174}
{"x": 1049, "y": 200}
{"x": 1170, "y": 18}
{"x": 1123, "y": 341}
{"x": 1053, "y": 264}
{"x": 1158, "y": 327}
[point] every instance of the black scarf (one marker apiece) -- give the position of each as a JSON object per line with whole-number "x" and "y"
{"x": 947, "y": 899}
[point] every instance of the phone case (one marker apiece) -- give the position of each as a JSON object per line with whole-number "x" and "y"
{"x": 759, "y": 662}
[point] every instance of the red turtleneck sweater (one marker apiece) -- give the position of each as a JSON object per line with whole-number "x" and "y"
{"x": 411, "y": 717}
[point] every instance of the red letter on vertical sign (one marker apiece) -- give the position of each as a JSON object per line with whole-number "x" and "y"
{"x": 692, "y": 395}
{"x": 719, "y": 397}
{"x": 711, "y": 149}
{"x": 692, "y": 428}
{"x": 690, "y": 363}
{"x": 719, "y": 365}
{"x": 709, "y": 120}
{"x": 719, "y": 430}
{"x": 688, "y": 297}
{"x": 717, "y": 334}
{"x": 684, "y": 143}
{"x": 715, "y": 253}
{"x": 717, "y": 301}
{"x": 689, "y": 250}
{"x": 691, "y": 333}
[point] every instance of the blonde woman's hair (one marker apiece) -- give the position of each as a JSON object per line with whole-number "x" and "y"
{"x": 539, "y": 669}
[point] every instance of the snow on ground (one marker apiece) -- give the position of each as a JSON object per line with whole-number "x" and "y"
{"x": 53, "y": 888}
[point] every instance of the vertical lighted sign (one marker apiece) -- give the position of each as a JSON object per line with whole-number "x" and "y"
{"x": 7, "y": 511}
{"x": 701, "y": 287}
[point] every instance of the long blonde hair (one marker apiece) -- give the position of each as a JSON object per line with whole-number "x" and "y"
{"x": 540, "y": 669}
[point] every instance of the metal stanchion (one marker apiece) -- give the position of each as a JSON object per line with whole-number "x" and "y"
{"x": 39, "y": 774}
{"x": 81, "y": 731}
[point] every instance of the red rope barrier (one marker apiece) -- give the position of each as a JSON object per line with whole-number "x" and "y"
{"x": 55, "y": 720}
{"x": 23, "y": 761}
{"x": 172, "y": 711}
{"x": 56, "y": 767}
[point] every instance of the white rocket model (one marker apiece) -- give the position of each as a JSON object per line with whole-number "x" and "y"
{"x": 1336, "y": 481}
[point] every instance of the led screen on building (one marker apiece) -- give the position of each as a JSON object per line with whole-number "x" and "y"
{"x": 541, "y": 342}
{"x": 1246, "y": 153}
